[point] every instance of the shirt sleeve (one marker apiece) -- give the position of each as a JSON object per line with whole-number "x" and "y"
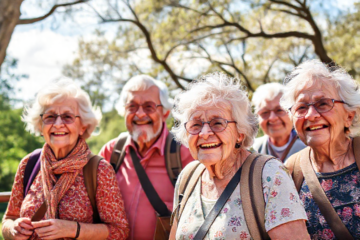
{"x": 110, "y": 203}
{"x": 17, "y": 192}
{"x": 281, "y": 198}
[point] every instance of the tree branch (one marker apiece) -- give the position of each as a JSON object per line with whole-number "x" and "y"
{"x": 52, "y": 10}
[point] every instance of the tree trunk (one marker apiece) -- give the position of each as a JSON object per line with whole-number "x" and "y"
{"x": 9, "y": 16}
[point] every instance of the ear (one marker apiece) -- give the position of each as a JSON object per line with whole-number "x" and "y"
{"x": 349, "y": 119}
{"x": 83, "y": 129}
{"x": 166, "y": 115}
{"x": 240, "y": 138}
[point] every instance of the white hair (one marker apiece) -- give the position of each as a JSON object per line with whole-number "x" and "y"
{"x": 210, "y": 90}
{"x": 267, "y": 92}
{"x": 143, "y": 83}
{"x": 313, "y": 72}
{"x": 58, "y": 92}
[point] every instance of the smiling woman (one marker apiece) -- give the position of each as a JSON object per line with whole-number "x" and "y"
{"x": 216, "y": 123}
{"x": 56, "y": 203}
{"x": 324, "y": 105}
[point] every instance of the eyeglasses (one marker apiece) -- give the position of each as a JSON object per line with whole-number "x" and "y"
{"x": 216, "y": 125}
{"x": 50, "y": 118}
{"x": 324, "y": 105}
{"x": 266, "y": 113}
{"x": 148, "y": 107}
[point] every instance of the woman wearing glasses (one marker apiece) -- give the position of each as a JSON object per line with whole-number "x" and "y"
{"x": 280, "y": 139}
{"x": 325, "y": 104}
{"x": 216, "y": 123}
{"x": 57, "y": 205}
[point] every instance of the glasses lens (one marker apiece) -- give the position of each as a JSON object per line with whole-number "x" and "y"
{"x": 218, "y": 124}
{"x": 67, "y": 118}
{"x": 49, "y": 118}
{"x": 193, "y": 126}
{"x": 132, "y": 107}
{"x": 299, "y": 109}
{"x": 149, "y": 107}
{"x": 265, "y": 115}
{"x": 324, "y": 105}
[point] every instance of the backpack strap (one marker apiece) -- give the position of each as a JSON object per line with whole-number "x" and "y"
{"x": 356, "y": 148}
{"x": 31, "y": 170}
{"x": 118, "y": 153}
{"x": 90, "y": 179}
{"x": 172, "y": 158}
{"x": 319, "y": 196}
{"x": 293, "y": 163}
{"x": 252, "y": 195}
{"x": 189, "y": 178}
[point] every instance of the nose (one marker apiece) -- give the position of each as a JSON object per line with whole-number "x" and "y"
{"x": 272, "y": 115}
{"x": 206, "y": 131}
{"x": 58, "y": 122}
{"x": 312, "y": 113}
{"x": 140, "y": 112}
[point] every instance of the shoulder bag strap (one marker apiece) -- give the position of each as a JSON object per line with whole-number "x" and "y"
{"x": 356, "y": 148}
{"x": 153, "y": 197}
{"x": 297, "y": 174}
{"x": 287, "y": 150}
{"x": 252, "y": 195}
{"x": 118, "y": 153}
{"x": 172, "y": 158}
{"x": 214, "y": 212}
{"x": 90, "y": 179}
{"x": 326, "y": 209}
{"x": 31, "y": 170}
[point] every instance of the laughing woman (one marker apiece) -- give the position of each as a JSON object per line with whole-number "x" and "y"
{"x": 63, "y": 115}
{"x": 217, "y": 124}
{"x": 325, "y": 105}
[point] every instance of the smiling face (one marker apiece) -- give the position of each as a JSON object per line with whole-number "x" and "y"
{"x": 61, "y": 137}
{"x": 143, "y": 127}
{"x": 321, "y": 130}
{"x": 208, "y": 147}
{"x": 274, "y": 126}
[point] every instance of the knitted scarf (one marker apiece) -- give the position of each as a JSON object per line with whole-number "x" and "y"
{"x": 69, "y": 168}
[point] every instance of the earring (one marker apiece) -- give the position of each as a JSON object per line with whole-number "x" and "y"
{"x": 238, "y": 145}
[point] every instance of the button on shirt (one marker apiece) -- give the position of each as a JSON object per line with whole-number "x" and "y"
{"x": 139, "y": 211}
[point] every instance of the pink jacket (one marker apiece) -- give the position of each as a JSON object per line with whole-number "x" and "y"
{"x": 140, "y": 213}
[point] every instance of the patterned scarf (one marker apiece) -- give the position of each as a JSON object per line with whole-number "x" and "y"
{"x": 69, "y": 168}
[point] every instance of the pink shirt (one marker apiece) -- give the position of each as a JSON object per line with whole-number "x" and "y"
{"x": 140, "y": 213}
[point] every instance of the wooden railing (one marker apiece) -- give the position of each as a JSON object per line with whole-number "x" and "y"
{"x": 4, "y": 197}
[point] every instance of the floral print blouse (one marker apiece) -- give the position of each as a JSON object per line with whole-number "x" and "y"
{"x": 75, "y": 205}
{"x": 343, "y": 191}
{"x": 282, "y": 205}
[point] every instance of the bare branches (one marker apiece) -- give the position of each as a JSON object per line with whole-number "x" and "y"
{"x": 52, "y": 10}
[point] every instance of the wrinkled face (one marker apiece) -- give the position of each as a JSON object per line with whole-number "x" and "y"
{"x": 316, "y": 129}
{"x": 274, "y": 126}
{"x": 62, "y": 136}
{"x": 209, "y": 147}
{"x": 141, "y": 126}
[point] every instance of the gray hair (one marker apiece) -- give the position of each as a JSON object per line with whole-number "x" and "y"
{"x": 268, "y": 92}
{"x": 209, "y": 90}
{"x": 57, "y": 92}
{"x": 315, "y": 71}
{"x": 143, "y": 83}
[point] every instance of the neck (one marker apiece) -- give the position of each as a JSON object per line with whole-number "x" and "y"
{"x": 279, "y": 141}
{"x": 332, "y": 157}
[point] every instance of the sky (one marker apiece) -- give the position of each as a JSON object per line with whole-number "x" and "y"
{"x": 43, "y": 48}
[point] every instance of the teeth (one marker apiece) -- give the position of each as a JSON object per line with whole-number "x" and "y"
{"x": 59, "y": 133}
{"x": 209, "y": 145}
{"x": 316, "y": 127}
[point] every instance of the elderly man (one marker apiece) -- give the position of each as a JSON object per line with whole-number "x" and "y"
{"x": 280, "y": 139}
{"x": 144, "y": 102}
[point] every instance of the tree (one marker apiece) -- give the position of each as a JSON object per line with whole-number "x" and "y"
{"x": 10, "y": 17}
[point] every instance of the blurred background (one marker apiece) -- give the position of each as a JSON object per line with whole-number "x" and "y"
{"x": 102, "y": 43}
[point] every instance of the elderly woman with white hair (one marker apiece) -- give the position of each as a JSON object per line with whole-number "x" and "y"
{"x": 51, "y": 198}
{"x": 280, "y": 139}
{"x": 324, "y": 103}
{"x": 217, "y": 124}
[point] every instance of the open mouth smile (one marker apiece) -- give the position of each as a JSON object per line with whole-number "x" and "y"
{"x": 142, "y": 122}
{"x": 315, "y": 128}
{"x": 59, "y": 134}
{"x": 209, "y": 145}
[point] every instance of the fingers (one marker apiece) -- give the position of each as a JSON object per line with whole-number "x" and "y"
{"x": 43, "y": 223}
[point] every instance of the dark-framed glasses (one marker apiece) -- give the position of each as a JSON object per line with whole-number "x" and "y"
{"x": 216, "y": 125}
{"x": 148, "y": 107}
{"x": 265, "y": 114}
{"x": 50, "y": 118}
{"x": 324, "y": 105}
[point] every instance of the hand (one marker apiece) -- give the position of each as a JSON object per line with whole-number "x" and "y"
{"x": 55, "y": 228}
{"x": 22, "y": 229}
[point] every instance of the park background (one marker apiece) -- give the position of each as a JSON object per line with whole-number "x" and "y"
{"x": 102, "y": 43}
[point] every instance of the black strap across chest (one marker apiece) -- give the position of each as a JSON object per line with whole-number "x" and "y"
{"x": 159, "y": 206}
